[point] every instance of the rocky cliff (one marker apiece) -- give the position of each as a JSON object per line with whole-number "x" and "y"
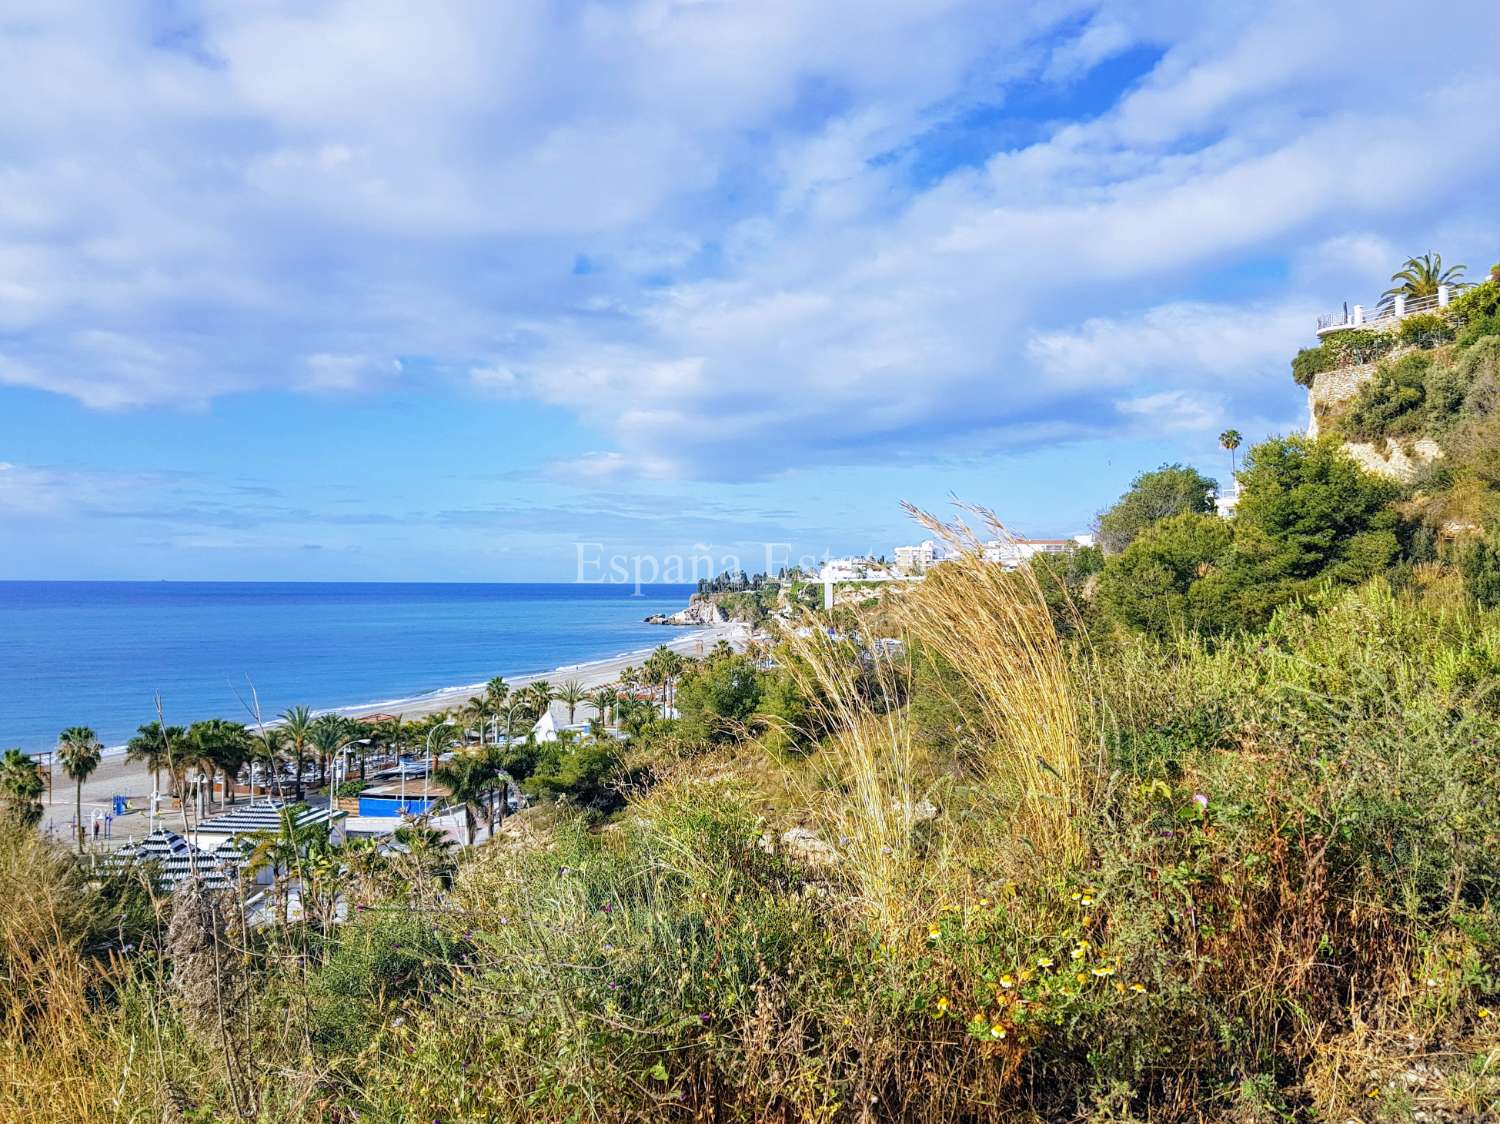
{"x": 702, "y": 610}
{"x": 1328, "y": 397}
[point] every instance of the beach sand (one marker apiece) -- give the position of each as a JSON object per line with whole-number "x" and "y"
{"x": 117, "y": 777}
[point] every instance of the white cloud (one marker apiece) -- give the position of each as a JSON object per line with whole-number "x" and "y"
{"x": 289, "y": 195}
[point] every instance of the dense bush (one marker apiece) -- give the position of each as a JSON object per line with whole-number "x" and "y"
{"x": 1171, "y": 490}
{"x": 1393, "y": 403}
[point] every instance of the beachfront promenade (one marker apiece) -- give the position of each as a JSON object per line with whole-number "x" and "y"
{"x": 118, "y": 777}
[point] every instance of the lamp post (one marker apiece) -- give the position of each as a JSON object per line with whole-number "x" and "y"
{"x": 430, "y": 734}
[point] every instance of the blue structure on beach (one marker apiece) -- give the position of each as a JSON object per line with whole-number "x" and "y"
{"x": 385, "y": 805}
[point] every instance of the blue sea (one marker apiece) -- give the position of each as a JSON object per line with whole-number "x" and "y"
{"x": 97, "y": 653}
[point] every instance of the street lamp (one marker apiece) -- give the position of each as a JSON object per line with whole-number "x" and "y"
{"x": 430, "y": 734}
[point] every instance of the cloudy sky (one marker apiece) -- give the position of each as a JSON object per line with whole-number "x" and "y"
{"x": 372, "y": 289}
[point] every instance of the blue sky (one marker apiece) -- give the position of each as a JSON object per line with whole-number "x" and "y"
{"x": 390, "y": 291}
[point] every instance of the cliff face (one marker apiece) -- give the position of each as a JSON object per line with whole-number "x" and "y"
{"x": 702, "y": 610}
{"x": 1331, "y": 392}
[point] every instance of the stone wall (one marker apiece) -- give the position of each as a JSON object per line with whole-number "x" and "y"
{"x": 1331, "y": 389}
{"x": 1400, "y": 460}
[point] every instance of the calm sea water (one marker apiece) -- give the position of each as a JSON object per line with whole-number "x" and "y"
{"x": 96, "y": 653}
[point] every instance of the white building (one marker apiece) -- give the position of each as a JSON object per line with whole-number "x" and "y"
{"x": 853, "y": 570}
{"x": 1011, "y": 553}
{"x": 920, "y": 558}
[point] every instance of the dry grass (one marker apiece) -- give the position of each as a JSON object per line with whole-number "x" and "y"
{"x": 1026, "y": 782}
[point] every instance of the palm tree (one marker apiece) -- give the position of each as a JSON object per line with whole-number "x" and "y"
{"x": 78, "y": 750}
{"x": 603, "y": 701}
{"x": 154, "y": 744}
{"x": 572, "y": 693}
{"x": 284, "y": 847}
{"x": 1420, "y": 277}
{"x": 539, "y": 696}
{"x": 330, "y": 734}
{"x": 479, "y": 710}
{"x": 469, "y": 779}
{"x": 498, "y": 690}
{"x": 21, "y": 787}
{"x": 298, "y": 724}
{"x": 216, "y": 745}
{"x": 1230, "y": 439}
{"x": 663, "y": 667}
{"x": 630, "y": 677}
{"x": 268, "y": 751}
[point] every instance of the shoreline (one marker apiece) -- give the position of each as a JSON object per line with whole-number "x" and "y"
{"x": 442, "y": 698}
{"x": 117, "y": 777}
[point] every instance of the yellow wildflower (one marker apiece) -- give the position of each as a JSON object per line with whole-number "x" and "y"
{"x": 1074, "y": 896}
{"x": 942, "y": 1005}
{"x": 1105, "y": 970}
{"x": 1081, "y": 978}
{"x": 1007, "y": 981}
{"x": 933, "y": 932}
{"x": 997, "y": 1031}
{"x": 1119, "y": 987}
{"x": 1138, "y": 988}
{"x": 984, "y": 903}
{"x": 1484, "y": 1012}
{"x": 1081, "y": 951}
{"x": 1045, "y": 962}
{"x": 1086, "y": 900}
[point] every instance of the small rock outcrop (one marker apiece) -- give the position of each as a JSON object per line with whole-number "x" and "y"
{"x": 701, "y": 610}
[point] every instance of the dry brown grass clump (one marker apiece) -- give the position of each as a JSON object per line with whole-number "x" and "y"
{"x": 909, "y": 839}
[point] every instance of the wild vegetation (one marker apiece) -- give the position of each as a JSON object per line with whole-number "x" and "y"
{"x": 1201, "y": 826}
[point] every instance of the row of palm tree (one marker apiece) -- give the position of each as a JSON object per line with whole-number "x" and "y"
{"x": 216, "y": 746}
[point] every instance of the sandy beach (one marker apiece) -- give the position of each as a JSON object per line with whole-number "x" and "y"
{"x": 117, "y": 777}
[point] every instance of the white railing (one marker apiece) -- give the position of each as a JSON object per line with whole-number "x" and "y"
{"x": 1387, "y": 310}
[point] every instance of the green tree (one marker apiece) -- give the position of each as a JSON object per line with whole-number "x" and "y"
{"x": 1309, "y": 513}
{"x": 298, "y": 724}
{"x": 79, "y": 752}
{"x": 156, "y": 746}
{"x": 581, "y": 769}
{"x": 219, "y": 745}
{"x": 286, "y": 848}
{"x": 329, "y": 735}
{"x": 1158, "y": 584}
{"x": 21, "y": 787}
{"x": 571, "y": 694}
{"x": 718, "y": 697}
{"x": 603, "y": 702}
{"x": 1420, "y": 277}
{"x": 1230, "y": 440}
{"x": 1171, "y": 490}
{"x": 471, "y": 780}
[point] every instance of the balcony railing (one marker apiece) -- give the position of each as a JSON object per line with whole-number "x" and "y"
{"x": 1388, "y": 311}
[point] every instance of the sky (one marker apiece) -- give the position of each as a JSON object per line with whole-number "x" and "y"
{"x": 371, "y": 290}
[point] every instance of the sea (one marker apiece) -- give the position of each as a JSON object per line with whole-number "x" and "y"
{"x": 100, "y": 653}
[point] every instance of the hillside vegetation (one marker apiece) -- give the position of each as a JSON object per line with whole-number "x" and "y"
{"x": 1206, "y": 827}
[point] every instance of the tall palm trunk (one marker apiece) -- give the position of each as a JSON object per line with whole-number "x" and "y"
{"x": 78, "y": 812}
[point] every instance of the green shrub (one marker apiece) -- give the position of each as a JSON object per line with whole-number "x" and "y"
{"x": 583, "y": 770}
{"x": 1426, "y": 329}
{"x": 380, "y": 960}
{"x": 1392, "y": 403}
{"x": 1172, "y": 489}
{"x": 1311, "y": 361}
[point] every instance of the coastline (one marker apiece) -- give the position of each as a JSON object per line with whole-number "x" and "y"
{"x": 591, "y": 673}
{"x": 117, "y": 777}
